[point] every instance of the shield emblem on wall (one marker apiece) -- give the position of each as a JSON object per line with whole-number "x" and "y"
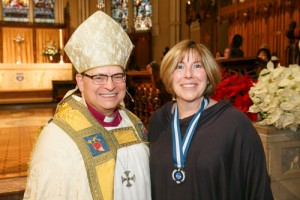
{"x": 20, "y": 76}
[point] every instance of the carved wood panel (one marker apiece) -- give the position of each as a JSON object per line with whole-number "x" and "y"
{"x": 262, "y": 22}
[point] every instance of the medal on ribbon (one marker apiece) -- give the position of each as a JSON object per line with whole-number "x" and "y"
{"x": 178, "y": 175}
{"x": 181, "y": 146}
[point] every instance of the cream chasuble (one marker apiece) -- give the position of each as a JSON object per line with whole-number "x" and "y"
{"x": 76, "y": 158}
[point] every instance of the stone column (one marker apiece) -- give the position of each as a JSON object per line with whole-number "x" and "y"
{"x": 282, "y": 149}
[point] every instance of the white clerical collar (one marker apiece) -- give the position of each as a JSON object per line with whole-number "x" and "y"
{"x": 108, "y": 119}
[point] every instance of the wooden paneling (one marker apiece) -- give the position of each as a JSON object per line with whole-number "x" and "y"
{"x": 262, "y": 22}
{"x": 34, "y": 41}
{"x": 142, "y": 52}
{"x": 43, "y": 37}
{"x": 17, "y": 51}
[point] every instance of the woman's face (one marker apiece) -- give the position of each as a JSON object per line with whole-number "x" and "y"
{"x": 226, "y": 53}
{"x": 189, "y": 80}
{"x": 263, "y": 56}
{"x": 106, "y": 97}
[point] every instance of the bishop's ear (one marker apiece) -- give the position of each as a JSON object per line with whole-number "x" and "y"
{"x": 80, "y": 83}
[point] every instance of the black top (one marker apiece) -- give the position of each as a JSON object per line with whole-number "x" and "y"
{"x": 226, "y": 159}
{"x": 236, "y": 52}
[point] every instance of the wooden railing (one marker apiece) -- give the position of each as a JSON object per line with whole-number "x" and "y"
{"x": 250, "y": 65}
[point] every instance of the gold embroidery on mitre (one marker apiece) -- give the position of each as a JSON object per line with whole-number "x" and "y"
{"x": 73, "y": 117}
{"x": 98, "y": 41}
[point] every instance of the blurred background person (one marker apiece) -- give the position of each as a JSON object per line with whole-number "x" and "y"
{"x": 235, "y": 47}
{"x": 264, "y": 54}
{"x": 227, "y": 52}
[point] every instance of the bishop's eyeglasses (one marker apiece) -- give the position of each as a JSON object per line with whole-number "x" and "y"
{"x": 101, "y": 79}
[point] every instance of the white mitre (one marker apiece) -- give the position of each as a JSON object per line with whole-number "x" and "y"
{"x": 98, "y": 41}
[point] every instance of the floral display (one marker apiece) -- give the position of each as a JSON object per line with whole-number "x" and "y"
{"x": 51, "y": 50}
{"x": 234, "y": 88}
{"x": 276, "y": 96}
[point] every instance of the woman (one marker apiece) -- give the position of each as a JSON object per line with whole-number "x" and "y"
{"x": 200, "y": 148}
{"x": 264, "y": 54}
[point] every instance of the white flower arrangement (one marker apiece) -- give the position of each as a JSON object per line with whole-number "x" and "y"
{"x": 51, "y": 49}
{"x": 276, "y": 96}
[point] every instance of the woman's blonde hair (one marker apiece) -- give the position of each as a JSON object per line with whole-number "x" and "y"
{"x": 176, "y": 55}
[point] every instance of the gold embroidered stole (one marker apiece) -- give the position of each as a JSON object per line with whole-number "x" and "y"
{"x": 98, "y": 146}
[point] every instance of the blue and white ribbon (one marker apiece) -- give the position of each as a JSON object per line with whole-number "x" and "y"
{"x": 181, "y": 146}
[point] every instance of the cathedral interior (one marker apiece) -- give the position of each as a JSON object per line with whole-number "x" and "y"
{"x": 35, "y": 73}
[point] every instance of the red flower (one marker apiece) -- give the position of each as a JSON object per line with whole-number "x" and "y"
{"x": 234, "y": 88}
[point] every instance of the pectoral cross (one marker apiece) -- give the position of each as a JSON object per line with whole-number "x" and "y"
{"x": 19, "y": 39}
{"x": 128, "y": 178}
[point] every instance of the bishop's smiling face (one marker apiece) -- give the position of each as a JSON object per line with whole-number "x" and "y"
{"x": 105, "y": 97}
{"x": 189, "y": 80}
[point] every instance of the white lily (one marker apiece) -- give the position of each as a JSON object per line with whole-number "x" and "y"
{"x": 276, "y": 95}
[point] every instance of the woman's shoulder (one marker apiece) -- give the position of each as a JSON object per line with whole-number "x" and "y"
{"x": 163, "y": 113}
{"x": 167, "y": 107}
{"x": 227, "y": 111}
